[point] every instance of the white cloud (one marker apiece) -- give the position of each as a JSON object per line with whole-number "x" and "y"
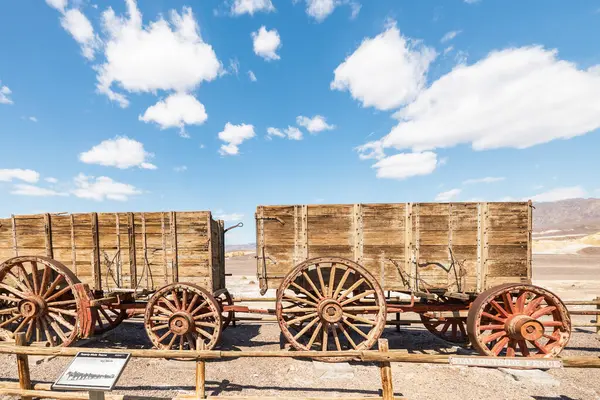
{"x": 27, "y": 175}
{"x": 234, "y": 66}
{"x": 447, "y": 196}
{"x": 240, "y": 7}
{"x": 159, "y": 56}
{"x": 386, "y": 71}
{"x": 472, "y": 1}
{"x": 180, "y": 168}
{"x": 487, "y": 179}
{"x": 5, "y": 93}
{"x": 233, "y": 217}
{"x": 449, "y": 36}
{"x": 405, "y": 165}
{"x": 58, "y": 4}
{"x": 77, "y": 24}
{"x": 33, "y": 119}
{"x": 177, "y": 110}
{"x": 463, "y": 106}
{"x": 321, "y": 9}
{"x": 51, "y": 180}
{"x": 315, "y": 124}
{"x": 448, "y": 49}
{"x": 233, "y": 136}
{"x": 31, "y": 190}
{"x": 252, "y": 76}
{"x": 291, "y": 132}
{"x": 266, "y": 43}
{"x": 101, "y": 188}
{"x": 562, "y": 193}
{"x": 120, "y": 152}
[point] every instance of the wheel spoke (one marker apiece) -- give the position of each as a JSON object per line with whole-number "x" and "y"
{"x": 169, "y": 305}
{"x": 49, "y": 336}
{"x": 306, "y": 328}
{"x": 203, "y": 316}
{"x": 445, "y": 327}
{"x": 176, "y": 299}
{"x": 163, "y": 337}
{"x": 312, "y": 285}
{"x": 54, "y": 283}
{"x": 533, "y": 304}
{"x": 294, "y": 310}
{"x": 543, "y": 311}
{"x": 351, "y": 325}
{"x": 200, "y": 307}
{"x": 520, "y": 306}
{"x": 299, "y": 300}
{"x": 45, "y": 277}
{"x": 500, "y": 345}
{"x": 7, "y": 311}
{"x": 13, "y": 290}
{"x": 38, "y": 330}
{"x": 336, "y": 339}
{"x": 59, "y": 293}
{"x": 510, "y": 350}
{"x": 325, "y": 336}
{"x": 523, "y": 348}
{"x": 494, "y": 317}
{"x": 11, "y": 320}
{"x": 493, "y": 336}
{"x": 172, "y": 341}
{"x": 57, "y": 329}
{"x": 499, "y": 308}
{"x": 314, "y": 335}
{"x": 331, "y": 279}
{"x": 359, "y": 319}
{"x": 62, "y": 303}
{"x": 306, "y": 292}
{"x": 358, "y": 297}
{"x": 204, "y": 333}
{"x": 24, "y": 287}
{"x": 490, "y": 327}
{"x": 350, "y": 289}
{"x": 62, "y": 321}
{"x": 340, "y": 285}
{"x": 300, "y": 319}
{"x": 25, "y": 279}
{"x": 184, "y": 300}
{"x": 22, "y": 324}
{"x": 341, "y": 326}
{"x": 539, "y": 346}
{"x": 63, "y": 311}
{"x": 8, "y": 298}
{"x": 552, "y": 323}
{"x": 193, "y": 302}
{"x": 190, "y": 338}
{"x": 159, "y": 327}
{"x": 321, "y": 281}
{"x": 35, "y": 277}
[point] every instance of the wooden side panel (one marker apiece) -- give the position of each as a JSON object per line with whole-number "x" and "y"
{"x": 463, "y": 247}
{"x": 383, "y": 234}
{"x": 508, "y": 243}
{"x": 193, "y": 248}
{"x": 113, "y": 241}
{"x": 7, "y": 248}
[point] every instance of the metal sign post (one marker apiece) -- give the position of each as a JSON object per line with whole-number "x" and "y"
{"x": 95, "y": 372}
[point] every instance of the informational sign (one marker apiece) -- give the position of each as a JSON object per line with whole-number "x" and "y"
{"x": 92, "y": 371}
{"x": 524, "y": 362}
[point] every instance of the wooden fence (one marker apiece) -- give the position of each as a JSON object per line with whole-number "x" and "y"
{"x": 383, "y": 357}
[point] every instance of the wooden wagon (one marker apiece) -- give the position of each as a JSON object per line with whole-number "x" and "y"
{"x": 68, "y": 276}
{"x": 464, "y": 267}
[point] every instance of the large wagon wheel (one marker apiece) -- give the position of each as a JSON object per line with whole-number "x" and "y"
{"x": 40, "y": 299}
{"x": 330, "y": 303}
{"x": 518, "y": 320}
{"x": 106, "y": 319}
{"x": 450, "y": 329}
{"x": 179, "y": 313}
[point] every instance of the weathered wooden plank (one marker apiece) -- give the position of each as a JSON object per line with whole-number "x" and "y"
{"x": 174, "y": 262}
{"x": 48, "y": 235}
{"x": 96, "y": 274}
{"x": 132, "y": 252}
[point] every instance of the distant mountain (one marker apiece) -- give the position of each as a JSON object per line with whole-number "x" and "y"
{"x": 581, "y": 215}
{"x": 240, "y": 247}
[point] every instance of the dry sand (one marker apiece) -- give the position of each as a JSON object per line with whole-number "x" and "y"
{"x": 572, "y": 277}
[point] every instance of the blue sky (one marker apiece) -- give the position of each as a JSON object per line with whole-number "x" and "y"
{"x": 406, "y": 100}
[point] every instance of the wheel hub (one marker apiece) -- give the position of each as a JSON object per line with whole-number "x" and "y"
{"x": 330, "y": 311}
{"x": 32, "y": 307}
{"x": 181, "y": 323}
{"x": 522, "y": 327}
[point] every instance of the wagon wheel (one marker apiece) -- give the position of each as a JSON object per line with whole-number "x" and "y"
{"x": 179, "y": 313}
{"x": 330, "y": 304}
{"x": 40, "y": 299}
{"x": 518, "y": 320}
{"x": 453, "y": 329}
{"x": 227, "y": 316}
{"x": 106, "y": 319}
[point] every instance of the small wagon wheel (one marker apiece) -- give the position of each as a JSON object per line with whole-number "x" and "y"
{"x": 106, "y": 319}
{"x": 518, "y": 320}
{"x": 453, "y": 329}
{"x": 225, "y": 298}
{"x": 330, "y": 304}
{"x": 40, "y": 299}
{"x": 179, "y": 313}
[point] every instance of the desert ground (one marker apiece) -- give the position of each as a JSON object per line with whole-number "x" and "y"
{"x": 571, "y": 276}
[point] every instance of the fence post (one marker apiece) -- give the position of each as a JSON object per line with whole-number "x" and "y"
{"x": 23, "y": 364}
{"x": 598, "y": 315}
{"x": 386, "y": 373}
{"x": 200, "y": 372}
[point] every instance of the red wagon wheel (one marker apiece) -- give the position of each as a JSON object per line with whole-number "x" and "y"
{"x": 224, "y": 298}
{"x": 330, "y": 304}
{"x": 453, "y": 329}
{"x": 518, "y": 320}
{"x": 179, "y": 313}
{"x": 39, "y": 298}
{"x": 106, "y": 319}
